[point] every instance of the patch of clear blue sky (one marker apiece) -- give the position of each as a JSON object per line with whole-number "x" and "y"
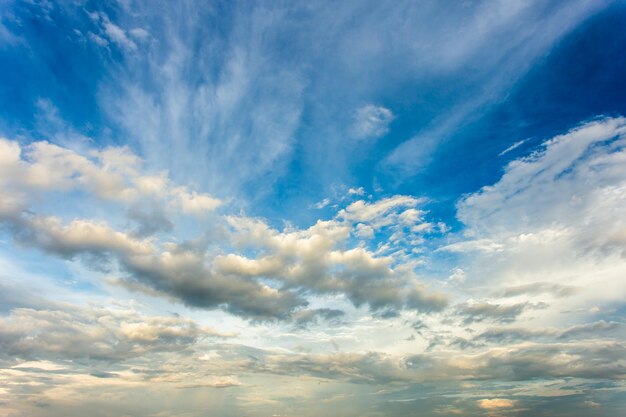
{"x": 578, "y": 76}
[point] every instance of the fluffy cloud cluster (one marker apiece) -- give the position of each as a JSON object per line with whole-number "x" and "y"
{"x": 112, "y": 174}
{"x": 574, "y": 180}
{"x": 364, "y": 255}
{"x": 554, "y": 222}
{"x": 272, "y": 280}
{"x": 94, "y": 333}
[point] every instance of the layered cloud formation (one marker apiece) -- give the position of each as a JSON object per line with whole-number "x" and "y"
{"x": 537, "y": 259}
{"x": 285, "y": 266}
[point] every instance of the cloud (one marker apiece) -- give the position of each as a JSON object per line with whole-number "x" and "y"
{"x": 149, "y": 221}
{"x": 495, "y": 403}
{"x": 304, "y": 318}
{"x": 194, "y": 203}
{"x": 109, "y": 32}
{"x": 371, "y": 122}
{"x": 79, "y": 236}
{"x": 300, "y": 260}
{"x": 224, "y": 382}
{"x": 552, "y": 179}
{"x": 544, "y": 228}
{"x": 247, "y": 102}
{"x": 313, "y": 260}
{"x": 513, "y": 147}
{"x": 377, "y": 212}
{"x": 111, "y": 174}
{"x": 477, "y": 312}
{"x": 508, "y": 335}
{"x": 231, "y": 125}
{"x": 587, "y": 359}
{"x": 596, "y": 329}
{"x": 536, "y": 288}
{"x": 93, "y": 333}
{"x": 310, "y": 259}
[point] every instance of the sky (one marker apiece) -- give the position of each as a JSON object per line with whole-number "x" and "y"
{"x": 302, "y": 209}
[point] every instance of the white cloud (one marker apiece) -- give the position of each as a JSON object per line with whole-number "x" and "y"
{"x": 356, "y": 191}
{"x": 513, "y": 147}
{"x": 194, "y": 203}
{"x": 580, "y": 173}
{"x": 221, "y": 105}
{"x": 321, "y": 204}
{"x": 364, "y": 231}
{"x": 554, "y": 222}
{"x": 317, "y": 259}
{"x": 110, "y": 33}
{"x": 118, "y": 35}
{"x": 112, "y": 174}
{"x": 371, "y": 121}
{"x": 139, "y": 33}
{"x": 95, "y": 333}
{"x": 232, "y": 124}
{"x": 361, "y": 211}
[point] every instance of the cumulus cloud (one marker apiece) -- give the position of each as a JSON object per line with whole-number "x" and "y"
{"x": 553, "y": 223}
{"x": 311, "y": 259}
{"x": 305, "y": 260}
{"x": 378, "y": 212}
{"x": 94, "y": 333}
{"x": 578, "y": 173}
{"x": 314, "y": 260}
{"x": 111, "y": 174}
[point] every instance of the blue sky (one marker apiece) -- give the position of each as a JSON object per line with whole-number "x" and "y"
{"x": 300, "y": 209}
